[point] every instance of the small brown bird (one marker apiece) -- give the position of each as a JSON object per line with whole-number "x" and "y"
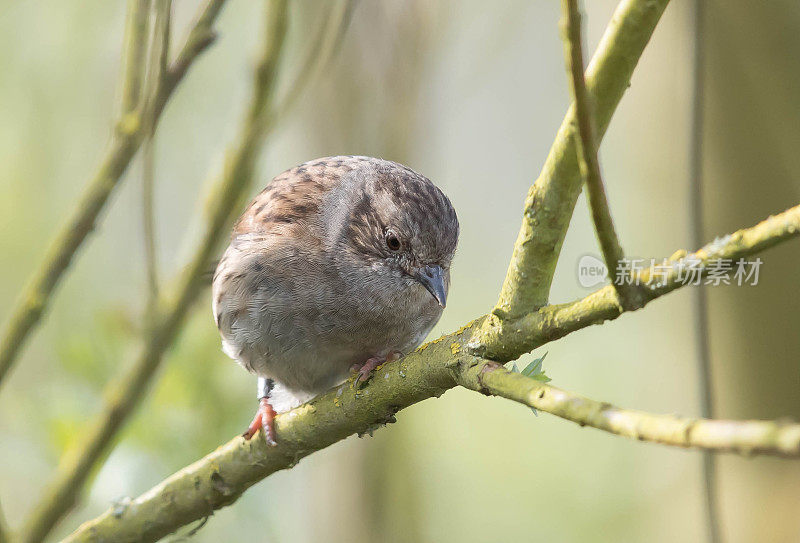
{"x": 338, "y": 265}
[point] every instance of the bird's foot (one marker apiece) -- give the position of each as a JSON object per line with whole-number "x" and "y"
{"x": 364, "y": 371}
{"x": 264, "y": 419}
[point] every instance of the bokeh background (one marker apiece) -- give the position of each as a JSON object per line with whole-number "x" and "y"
{"x": 471, "y": 95}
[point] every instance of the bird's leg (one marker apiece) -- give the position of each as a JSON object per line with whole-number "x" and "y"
{"x": 365, "y": 370}
{"x": 265, "y": 416}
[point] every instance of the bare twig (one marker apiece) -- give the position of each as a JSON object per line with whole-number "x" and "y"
{"x": 5, "y": 533}
{"x": 125, "y": 142}
{"x": 323, "y": 49}
{"x": 158, "y": 65}
{"x": 221, "y": 477}
{"x": 551, "y": 199}
{"x": 555, "y": 321}
{"x": 135, "y": 49}
{"x": 124, "y": 395}
{"x": 587, "y": 155}
{"x": 148, "y": 226}
{"x": 776, "y": 438}
{"x": 704, "y": 380}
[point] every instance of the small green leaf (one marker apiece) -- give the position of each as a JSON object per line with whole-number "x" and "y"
{"x": 533, "y": 371}
{"x": 534, "y": 367}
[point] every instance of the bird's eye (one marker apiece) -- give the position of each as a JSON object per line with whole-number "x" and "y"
{"x": 392, "y": 241}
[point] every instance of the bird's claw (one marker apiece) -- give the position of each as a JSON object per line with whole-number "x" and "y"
{"x": 264, "y": 419}
{"x": 364, "y": 371}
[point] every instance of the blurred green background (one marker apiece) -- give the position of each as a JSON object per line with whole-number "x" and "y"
{"x": 471, "y": 96}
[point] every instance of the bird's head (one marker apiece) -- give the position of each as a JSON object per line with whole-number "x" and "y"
{"x": 400, "y": 226}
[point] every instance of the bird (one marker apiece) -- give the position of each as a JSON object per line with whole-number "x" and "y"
{"x": 339, "y": 265}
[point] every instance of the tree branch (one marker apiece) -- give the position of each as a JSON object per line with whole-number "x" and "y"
{"x": 125, "y": 142}
{"x": 516, "y": 337}
{"x": 81, "y": 461}
{"x": 135, "y": 47}
{"x": 158, "y": 66}
{"x": 551, "y": 199}
{"x": 588, "y": 161}
{"x": 323, "y": 49}
{"x": 149, "y": 226}
{"x": 701, "y": 313}
{"x": 776, "y": 438}
{"x": 221, "y": 477}
{"x": 5, "y": 533}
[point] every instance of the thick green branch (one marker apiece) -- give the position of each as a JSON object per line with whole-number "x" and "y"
{"x": 122, "y": 397}
{"x": 124, "y": 143}
{"x": 221, "y": 477}
{"x": 587, "y": 154}
{"x": 551, "y": 199}
{"x": 776, "y": 438}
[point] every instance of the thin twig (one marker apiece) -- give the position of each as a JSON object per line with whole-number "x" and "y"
{"x": 159, "y": 55}
{"x": 135, "y": 48}
{"x": 126, "y": 140}
{"x": 551, "y": 200}
{"x": 748, "y": 438}
{"x": 148, "y": 226}
{"x": 324, "y": 48}
{"x": 221, "y": 477}
{"x": 700, "y": 297}
{"x": 522, "y": 335}
{"x": 587, "y": 155}
{"x": 5, "y": 532}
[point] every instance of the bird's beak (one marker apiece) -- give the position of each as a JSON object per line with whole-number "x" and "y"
{"x": 432, "y": 278}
